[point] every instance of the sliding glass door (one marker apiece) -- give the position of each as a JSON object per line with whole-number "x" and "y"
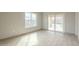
{"x": 55, "y": 22}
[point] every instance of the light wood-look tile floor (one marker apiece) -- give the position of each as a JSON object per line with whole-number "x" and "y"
{"x": 42, "y": 38}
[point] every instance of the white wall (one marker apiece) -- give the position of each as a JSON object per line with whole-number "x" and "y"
{"x": 76, "y": 23}
{"x": 12, "y": 24}
{"x": 69, "y": 21}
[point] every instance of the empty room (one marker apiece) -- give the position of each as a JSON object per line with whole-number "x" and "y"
{"x": 39, "y": 29}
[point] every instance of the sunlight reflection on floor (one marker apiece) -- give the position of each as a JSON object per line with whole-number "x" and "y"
{"x": 29, "y": 40}
{"x": 33, "y": 39}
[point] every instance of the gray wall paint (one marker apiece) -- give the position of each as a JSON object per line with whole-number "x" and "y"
{"x": 76, "y": 23}
{"x": 12, "y": 24}
{"x": 69, "y": 21}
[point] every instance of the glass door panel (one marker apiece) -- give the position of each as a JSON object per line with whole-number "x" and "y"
{"x": 59, "y": 22}
{"x": 59, "y": 27}
{"x": 51, "y": 22}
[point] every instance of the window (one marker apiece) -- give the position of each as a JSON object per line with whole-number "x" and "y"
{"x": 30, "y": 20}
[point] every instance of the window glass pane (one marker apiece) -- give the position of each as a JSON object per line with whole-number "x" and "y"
{"x": 27, "y": 23}
{"x": 59, "y": 19}
{"x": 59, "y": 27}
{"x": 33, "y": 16}
{"x": 27, "y": 15}
{"x": 51, "y": 20}
{"x": 27, "y": 18}
{"x": 51, "y": 27}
